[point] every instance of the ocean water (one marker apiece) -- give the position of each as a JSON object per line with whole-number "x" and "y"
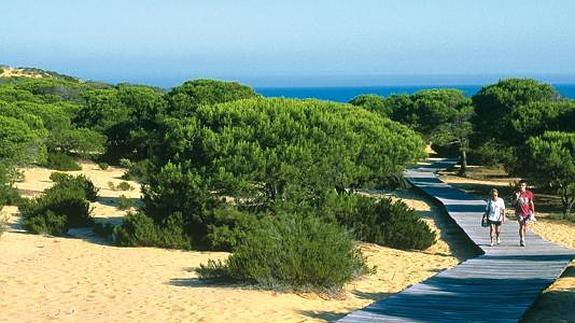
{"x": 344, "y": 94}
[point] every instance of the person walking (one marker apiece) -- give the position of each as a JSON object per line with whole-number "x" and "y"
{"x": 524, "y": 209}
{"x": 495, "y": 215}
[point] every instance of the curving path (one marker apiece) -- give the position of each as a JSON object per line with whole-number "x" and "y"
{"x": 499, "y": 285}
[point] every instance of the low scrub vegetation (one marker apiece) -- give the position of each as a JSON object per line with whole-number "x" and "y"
{"x": 125, "y": 186}
{"x": 291, "y": 251}
{"x": 81, "y": 182}
{"x": 65, "y": 205}
{"x": 62, "y": 162}
{"x": 124, "y": 203}
{"x": 140, "y": 230}
{"x": 384, "y": 221}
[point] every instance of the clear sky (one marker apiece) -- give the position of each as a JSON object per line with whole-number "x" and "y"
{"x": 296, "y": 42}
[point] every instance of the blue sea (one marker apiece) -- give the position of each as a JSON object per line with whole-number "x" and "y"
{"x": 344, "y": 94}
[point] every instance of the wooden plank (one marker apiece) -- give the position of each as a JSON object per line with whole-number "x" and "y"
{"x": 499, "y": 285}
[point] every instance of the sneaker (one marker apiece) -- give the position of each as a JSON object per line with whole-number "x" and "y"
{"x": 522, "y": 243}
{"x": 491, "y": 243}
{"x": 498, "y": 241}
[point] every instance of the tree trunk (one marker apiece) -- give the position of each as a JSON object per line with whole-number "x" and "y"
{"x": 568, "y": 205}
{"x": 463, "y": 162}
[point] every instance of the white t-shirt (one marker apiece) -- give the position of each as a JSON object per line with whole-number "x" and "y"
{"x": 494, "y": 209}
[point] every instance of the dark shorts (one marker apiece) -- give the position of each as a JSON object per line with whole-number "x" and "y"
{"x": 494, "y": 222}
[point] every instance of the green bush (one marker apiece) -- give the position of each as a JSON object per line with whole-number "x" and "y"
{"x": 173, "y": 189}
{"x": 383, "y": 221}
{"x": 492, "y": 153}
{"x": 402, "y": 227}
{"x": 104, "y": 230}
{"x": 291, "y": 252}
{"x": 140, "y": 230}
{"x": 63, "y": 162}
{"x": 126, "y": 163}
{"x": 228, "y": 227}
{"x": 125, "y": 186}
{"x": 9, "y": 195}
{"x": 140, "y": 170}
{"x": 103, "y": 166}
{"x": 124, "y": 203}
{"x": 80, "y": 181}
{"x": 60, "y": 177}
{"x": 48, "y": 223}
{"x": 61, "y": 207}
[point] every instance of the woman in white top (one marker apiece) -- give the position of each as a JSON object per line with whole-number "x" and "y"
{"x": 495, "y": 214}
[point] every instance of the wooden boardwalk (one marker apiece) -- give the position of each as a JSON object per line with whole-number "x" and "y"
{"x": 498, "y": 286}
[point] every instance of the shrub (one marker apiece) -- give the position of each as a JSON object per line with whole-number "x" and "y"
{"x": 126, "y": 163}
{"x": 228, "y": 227}
{"x": 402, "y": 227}
{"x": 291, "y": 251}
{"x": 105, "y": 230}
{"x": 103, "y": 166}
{"x": 492, "y": 153}
{"x": 111, "y": 185}
{"x": 136, "y": 171}
{"x": 60, "y": 177}
{"x": 60, "y": 207}
{"x": 127, "y": 176}
{"x": 125, "y": 186}
{"x": 80, "y": 181}
{"x": 9, "y": 195}
{"x": 124, "y": 203}
{"x": 48, "y": 223}
{"x": 176, "y": 190}
{"x": 384, "y": 221}
{"x": 140, "y": 169}
{"x": 140, "y": 230}
{"x": 63, "y": 162}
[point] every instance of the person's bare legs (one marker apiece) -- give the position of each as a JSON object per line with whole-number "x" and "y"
{"x": 498, "y": 232}
{"x": 491, "y": 230}
{"x": 522, "y": 230}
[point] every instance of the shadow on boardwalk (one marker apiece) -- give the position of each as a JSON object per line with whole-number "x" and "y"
{"x": 546, "y": 308}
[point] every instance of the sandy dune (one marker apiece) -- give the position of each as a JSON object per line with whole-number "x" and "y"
{"x": 70, "y": 280}
{"x": 18, "y": 72}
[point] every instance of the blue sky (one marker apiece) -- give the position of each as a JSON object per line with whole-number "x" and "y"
{"x": 297, "y": 42}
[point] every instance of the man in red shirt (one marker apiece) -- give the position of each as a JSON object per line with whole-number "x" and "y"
{"x": 524, "y": 209}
